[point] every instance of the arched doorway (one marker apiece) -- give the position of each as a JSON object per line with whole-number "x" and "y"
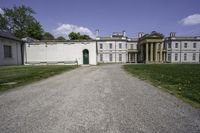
{"x": 85, "y": 56}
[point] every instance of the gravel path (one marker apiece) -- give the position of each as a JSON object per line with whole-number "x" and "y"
{"x": 94, "y": 99}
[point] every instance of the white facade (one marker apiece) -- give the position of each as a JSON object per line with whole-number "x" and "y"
{"x": 52, "y": 52}
{"x": 110, "y": 51}
{"x": 183, "y": 49}
{"x": 10, "y": 51}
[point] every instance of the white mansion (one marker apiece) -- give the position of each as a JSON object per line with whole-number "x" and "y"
{"x": 118, "y": 48}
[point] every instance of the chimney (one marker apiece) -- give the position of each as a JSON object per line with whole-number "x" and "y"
{"x": 97, "y": 32}
{"x": 172, "y": 34}
{"x": 140, "y": 34}
{"x": 124, "y": 33}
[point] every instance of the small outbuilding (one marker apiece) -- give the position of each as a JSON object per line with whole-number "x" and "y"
{"x": 11, "y": 49}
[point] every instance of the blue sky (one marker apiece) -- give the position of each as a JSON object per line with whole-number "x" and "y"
{"x": 63, "y": 16}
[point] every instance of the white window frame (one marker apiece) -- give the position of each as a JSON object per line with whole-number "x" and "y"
{"x": 101, "y": 57}
{"x": 120, "y": 57}
{"x": 176, "y": 57}
{"x": 185, "y": 56}
{"x": 120, "y": 45}
{"x": 110, "y": 57}
{"x": 101, "y": 46}
{"x": 110, "y": 45}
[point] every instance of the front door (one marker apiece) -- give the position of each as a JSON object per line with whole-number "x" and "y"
{"x": 85, "y": 56}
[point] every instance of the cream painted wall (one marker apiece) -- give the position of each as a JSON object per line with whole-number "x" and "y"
{"x": 39, "y": 52}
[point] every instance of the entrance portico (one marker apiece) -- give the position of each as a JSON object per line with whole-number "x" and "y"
{"x": 152, "y": 48}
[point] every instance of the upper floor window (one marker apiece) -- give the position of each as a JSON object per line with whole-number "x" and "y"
{"x": 169, "y": 45}
{"x": 101, "y": 46}
{"x": 194, "y": 45}
{"x": 7, "y": 51}
{"x": 185, "y": 45}
{"x": 120, "y": 45}
{"x": 185, "y": 56}
{"x": 131, "y": 46}
{"x": 176, "y": 45}
{"x": 110, "y": 45}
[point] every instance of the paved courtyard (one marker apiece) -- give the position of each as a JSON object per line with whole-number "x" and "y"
{"x": 94, "y": 99}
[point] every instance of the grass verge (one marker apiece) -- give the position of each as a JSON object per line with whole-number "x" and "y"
{"x": 13, "y": 76}
{"x": 181, "y": 80}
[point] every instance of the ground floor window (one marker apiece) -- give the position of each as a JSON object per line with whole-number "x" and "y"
{"x": 120, "y": 57}
{"x": 176, "y": 57}
{"x": 185, "y": 56}
{"x": 101, "y": 57}
{"x": 110, "y": 57}
{"x": 7, "y": 51}
{"x": 169, "y": 57}
{"x": 194, "y": 56}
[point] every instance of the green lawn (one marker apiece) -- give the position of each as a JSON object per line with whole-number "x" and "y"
{"x": 13, "y": 76}
{"x": 181, "y": 80}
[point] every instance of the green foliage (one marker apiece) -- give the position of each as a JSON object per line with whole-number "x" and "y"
{"x": 78, "y": 36}
{"x": 60, "y": 38}
{"x": 20, "y": 21}
{"x": 13, "y": 76}
{"x": 182, "y": 80}
{"x": 47, "y": 36}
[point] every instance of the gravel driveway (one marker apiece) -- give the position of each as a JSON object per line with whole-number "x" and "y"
{"x": 94, "y": 99}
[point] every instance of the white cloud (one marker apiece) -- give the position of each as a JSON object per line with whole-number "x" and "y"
{"x": 191, "y": 20}
{"x": 1, "y": 11}
{"x": 65, "y": 29}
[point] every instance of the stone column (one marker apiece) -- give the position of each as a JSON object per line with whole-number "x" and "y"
{"x": 147, "y": 53}
{"x": 151, "y": 56}
{"x": 161, "y": 48}
{"x": 129, "y": 58}
{"x": 156, "y": 52}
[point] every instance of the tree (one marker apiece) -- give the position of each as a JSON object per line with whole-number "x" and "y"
{"x": 20, "y": 22}
{"x": 47, "y": 36}
{"x": 78, "y": 36}
{"x": 74, "y": 36}
{"x": 60, "y": 38}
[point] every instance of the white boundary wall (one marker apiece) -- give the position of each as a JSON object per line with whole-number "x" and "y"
{"x": 59, "y": 52}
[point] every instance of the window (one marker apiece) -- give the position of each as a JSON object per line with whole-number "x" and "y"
{"x": 169, "y": 57}
{"x": 120, "y": 57}
{"x": 185, "y": 45}
{"x": 176, "y": 45}
{"x": 101, "y": 46}
{"x": 185, "y": 56}
{"x": 194, "y": 45}
{"x": 110, "y": 57}
{"x": 131, "y": 46}
{"x": 126, "y": 46}
{"x": 7, "y": 51}
{"x": 110, "y": 45}
{"x": 169, "y": 45}
{"x": 194, "y": 56}
{"x": 120, "y": 45}
{"x": 101, "y": 57}
{"x": 176, "y": 57}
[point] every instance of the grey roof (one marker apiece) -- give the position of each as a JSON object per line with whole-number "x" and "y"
{"x": 9, "y": 36}
{"x": 184, "y": 38}
{"x": 112, "y": 39}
